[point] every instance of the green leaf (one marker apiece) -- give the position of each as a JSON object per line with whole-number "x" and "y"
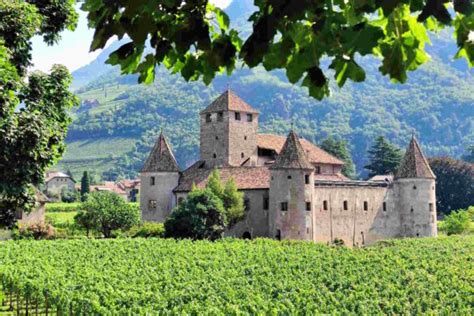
{"x": 347, "y": 68}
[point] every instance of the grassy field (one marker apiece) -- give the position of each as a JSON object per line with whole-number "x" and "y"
{"x": 164, "y": 276}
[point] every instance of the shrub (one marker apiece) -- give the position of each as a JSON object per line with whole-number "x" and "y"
{"x": 107, "y": 211}
{"x": 34, "y": 231}
{"x": 457, "y": 222}
{"x": 147, "y": 230}
{"x": 201, "y": 216}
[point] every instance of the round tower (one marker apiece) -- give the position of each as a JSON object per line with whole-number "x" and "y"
{"x": 416, "y": 189}
{"x": 159, "y": 176}
{"x": 291, "y": 193}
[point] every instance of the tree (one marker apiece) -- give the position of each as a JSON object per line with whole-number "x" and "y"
{"x": 195, "y": 39}
{"x": 107, "y": 211}
{"x": 232, "y": 199}
{"x": 85, "y": 186}
{"x": 86, "y": 220}
{"x": 31, "y": 135}
{"x": 200, "y": 216}
{"x": 338, "y": 148}
{"x": 469, "y": 156}
{"x": 454, "y": 183}
{"x": 457, "y": 222}
{"x": 384, "y": 158}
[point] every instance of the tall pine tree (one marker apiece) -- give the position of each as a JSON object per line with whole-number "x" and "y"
{"x": 384, "y": 157}
{"x": 85, "y": 181}
{"x": 338, "y": 148}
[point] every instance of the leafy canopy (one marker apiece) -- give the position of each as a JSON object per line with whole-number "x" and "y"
{"x": 31, "y": 136}
{"x": 384, "y": 157}
{"x": 194, "y": 38}
{"x": 106, "y": 212}
{"x": 451, "y": 176}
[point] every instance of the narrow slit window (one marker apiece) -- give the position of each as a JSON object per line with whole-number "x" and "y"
{"x": 237, "y": 116}
{"x": 306, "y": 178}
{"x": 308, "y": 206}
{"x": 266, "y": 203}
{"x": 318, "y": 169}
{"x": 346, "y": 205}
{"x": 384, "y": 206}
{"x": 249, "y": 117}
{"x": 431, "y": 207}
{"x": 284, "y": 206}
{"x": 325, "y": 205}
{"x": 366, "y": 206}
{"x": 152, "y": 181}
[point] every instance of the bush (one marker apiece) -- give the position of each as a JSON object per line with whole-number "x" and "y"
{"x": 201, "y": 216}
{"x": 147, "y": 230}
{"x": 106, "y": 212}
{"x": 62, "y": 207}
{"x": 457, "y": 222}
{"x": 34, "y": 231}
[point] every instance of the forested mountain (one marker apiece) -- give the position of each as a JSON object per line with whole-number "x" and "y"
{"x": 119, "y": 120}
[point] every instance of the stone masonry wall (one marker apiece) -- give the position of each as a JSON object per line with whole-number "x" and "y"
{"x": 214, "y": 140}
{"x": 242, "y": 139}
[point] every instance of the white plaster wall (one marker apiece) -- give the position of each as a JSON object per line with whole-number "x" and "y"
{"x": 162, "y": 192}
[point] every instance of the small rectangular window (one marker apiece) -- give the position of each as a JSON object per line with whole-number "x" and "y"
{"x": 152, "y": 181}
{"x": 220, "y": 116}
{"x": 247, "y": 204}
{"x": 325, "y": 205}
{"x": 237, "y": 116}
{"x": 265, "y": 203}
{"x": 384, "y": 206}
{"x": 249, "y": 117}
{"x": 18, "y": 214}
{"x": 208, "y": 118}
{"x": 346, "y": 205}
{"x": 317, "y": 169}
{"x": 306, "y": 178}
{"x": 308, "y": 206}
{"x": 152, "y": 204}
{"x": 284, "y": 206}
{"x": 289, "y": 177}
{"x": 366, "y": 206}
{"x": 431, "y": 208}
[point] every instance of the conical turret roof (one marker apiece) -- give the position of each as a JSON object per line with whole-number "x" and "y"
{"x": 414, "y": 163}
{"x": 161, "y": 157}
{"x": 229, "y": 101}
{"x": 292, "y": 155}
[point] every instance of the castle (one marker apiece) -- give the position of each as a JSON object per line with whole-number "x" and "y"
{"x": 293, "y": 189}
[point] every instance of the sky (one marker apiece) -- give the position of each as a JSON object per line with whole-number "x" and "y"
{"x": 73, "y": 49}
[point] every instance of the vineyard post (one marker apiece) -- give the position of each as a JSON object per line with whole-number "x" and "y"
{"x": 46, "y": 303}
{"x": 11, "y": 300}
{"x": 17, "y": 303}
{"x": 26, "y": 303}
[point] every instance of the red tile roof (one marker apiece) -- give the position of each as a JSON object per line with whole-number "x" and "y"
{"x": 315, "y": 154}
{"x": 229, "y": 101}
{"x": 245, "y": 177}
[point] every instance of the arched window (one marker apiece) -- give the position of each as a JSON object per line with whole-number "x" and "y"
{"x": 278, "y": 235}
{"x": 247, "y": 235}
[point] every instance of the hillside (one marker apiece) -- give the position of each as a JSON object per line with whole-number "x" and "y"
{"x": 119, "y": 120}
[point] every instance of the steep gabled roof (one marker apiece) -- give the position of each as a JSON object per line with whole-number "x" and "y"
{"x": 313, "y": 152}
{"x": 292, "y": 155}
{"x": 161, "y": 158}
{"x": 414, "y": 163}
{"x": 229, "y": 101}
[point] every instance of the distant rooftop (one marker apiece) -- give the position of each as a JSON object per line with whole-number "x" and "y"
{"x": 414, "y": 163}
{"x": 161, "y": 157}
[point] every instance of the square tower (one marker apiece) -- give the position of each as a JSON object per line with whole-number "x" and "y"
{"x": 229, "y": 129}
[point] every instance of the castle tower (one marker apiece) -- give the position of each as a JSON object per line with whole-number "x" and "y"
{"x": 291, "y": 193}
{"x": 159, "y": 176}
{"x": 415, "y": 186}
{"x": 229, "y": 129}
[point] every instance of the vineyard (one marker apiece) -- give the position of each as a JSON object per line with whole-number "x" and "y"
{"x": 156, "y": 276}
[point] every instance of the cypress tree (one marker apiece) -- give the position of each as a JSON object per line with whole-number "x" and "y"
{"x": 84, "y": 186}
{"x": 338, "y": 148}
{"x": 384, "y": 157}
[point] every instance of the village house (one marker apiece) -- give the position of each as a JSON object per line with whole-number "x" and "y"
{"x": 293, "y": 189}
{"x": 56, "y": 182}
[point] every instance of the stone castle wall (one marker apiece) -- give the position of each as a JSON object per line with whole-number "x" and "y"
{"x": 161, "y": 192}
{"x": 214, "y": 140}
{"x": 242, "y": 139}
